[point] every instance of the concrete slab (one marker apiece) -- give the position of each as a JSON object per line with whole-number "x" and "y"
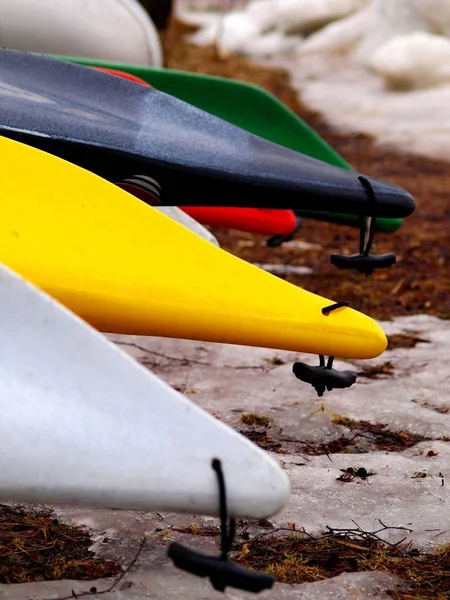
{"x": 229, "y": 381}
{"x": 171, "y": 585}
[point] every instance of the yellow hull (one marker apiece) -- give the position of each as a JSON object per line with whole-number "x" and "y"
{"x": 126, "y": 268}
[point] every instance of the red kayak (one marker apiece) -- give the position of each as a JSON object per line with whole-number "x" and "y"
{"x": 280, "y": 223}
{"x": 267, "y": 221}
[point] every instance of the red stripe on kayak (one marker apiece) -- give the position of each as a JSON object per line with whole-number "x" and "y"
{"x": 123, "y": 74}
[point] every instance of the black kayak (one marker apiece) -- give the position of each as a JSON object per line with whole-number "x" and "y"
{"x": 118, "y": 129}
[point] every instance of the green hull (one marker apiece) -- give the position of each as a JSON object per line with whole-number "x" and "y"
{"x": 249, "y": 107}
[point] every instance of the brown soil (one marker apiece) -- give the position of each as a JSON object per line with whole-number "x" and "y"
{"x": 346, "y": 436}
{"x": 420, "y": 282}
{"x": 300, "y": 558}
{"x": 35, "y": 546}
{"x": 404, "y": 340}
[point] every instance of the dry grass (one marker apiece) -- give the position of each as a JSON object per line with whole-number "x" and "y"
{"x": 36, "y": 546}
{"x": 300, "y": 558}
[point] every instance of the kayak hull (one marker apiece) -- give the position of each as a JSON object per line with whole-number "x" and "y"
{"x": 253, "y": 220}
{"x": 112, "y": 260}
{"x": 84, "y": 424}
{"x": 105, "y": 29}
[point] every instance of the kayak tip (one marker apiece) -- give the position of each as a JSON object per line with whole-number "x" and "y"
{"x": 362, "y": 338}
{"x": 387, "y": 197}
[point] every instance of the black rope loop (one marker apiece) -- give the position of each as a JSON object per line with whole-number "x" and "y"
{"x": 364, "y": 262}
{"x": 226, "y": 535}
{"x": 372, "y": 198}
{"x": 327, "y": 309}
{"x": 362, "y": 233}
{"x": 329, "y": 364}
{"x": 221, "y": 571}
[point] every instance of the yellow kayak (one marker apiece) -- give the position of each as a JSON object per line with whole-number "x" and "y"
{"x": 126, "y": 268}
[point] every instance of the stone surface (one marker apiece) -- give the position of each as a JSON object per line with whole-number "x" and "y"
{"x": 171, "y": 585}
{"x": 229, "y": 381}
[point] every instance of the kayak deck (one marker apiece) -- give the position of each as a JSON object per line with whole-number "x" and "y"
{"x": 108, "y": 124}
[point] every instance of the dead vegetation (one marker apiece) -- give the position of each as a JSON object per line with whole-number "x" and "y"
{"x": 258, "y": 430}
{"x": 263, "y": 440}
{"x": 380, "y": 371}
{"x": 255, "y": 420}
{"x": 443, "y": 409}
{"x": 354, "y": 473}
{"x": 36, "y": 546}
{"x": 299, "y": 557}
{"x": 404, "y": 340}
{"x": 199, "y": 530}
{"x": 364, "y": 437}
{"x": 293, "y": 556}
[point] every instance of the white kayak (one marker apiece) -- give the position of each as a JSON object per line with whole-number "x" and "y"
{"x": 116, "y": 30}
{"x": 183, "y": 218}
{"x": 83, "y": 423}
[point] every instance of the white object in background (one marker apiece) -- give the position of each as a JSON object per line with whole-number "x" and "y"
{"x": 437, "y": 14}
{"x": 116, "y": 30}
{"x": 339, "y": 37}
{"x": 306, "y": 16}
{"x": 387, "y": 19}
{"x": 271, "y": 44}
{"x": 83, "y": 423}
{"x": 261, "y": 28}
{"x": 183, "y": 218}
{"x": 232, "y": 32}
{"x": 377, "y": 23}
{"x": 413, "y": 61}
{"x": 251, "y": 32}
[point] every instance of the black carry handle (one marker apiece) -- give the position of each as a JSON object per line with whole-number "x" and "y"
{"x": 362, "y": 263}
{"x": 323, "y": 378}
{"x": 222, "y": 573}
